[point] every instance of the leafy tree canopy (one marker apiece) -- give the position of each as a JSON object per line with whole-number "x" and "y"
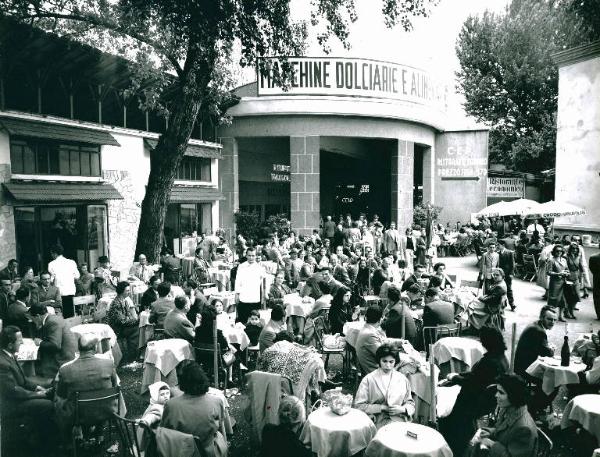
{"x": 509, "y": 79}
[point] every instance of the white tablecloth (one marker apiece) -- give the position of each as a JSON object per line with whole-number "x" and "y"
{"x": 420, "y": 383}
{"x": 297, "y": 306}
{"x": 162, "y": 357}
{"x": 392, "y": 441}
{"x": 221, "y": 277}
{"x": 553, "y": 375}
{"x": 235, "y": 335}
{"x": 28, "y": 351}
{"x": 351, "y": 330}
{"x": 585, "y": 411}
{"x": 100, "y": 331}
{"x": 146, "y": 329}
{"x": 467, "y": 350}
{"x": 330, "y": 435}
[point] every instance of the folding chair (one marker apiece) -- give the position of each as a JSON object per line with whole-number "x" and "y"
{"x": 544, "y": 445}
{"x": 84, "y": 306}
{"x": 132, "y": 443}
{"x": 432, "y": 334}
{"x": 321, "y": 326}
{"x": 529, "y": 267}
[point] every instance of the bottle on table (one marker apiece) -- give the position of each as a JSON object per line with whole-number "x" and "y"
{"x": 565, "y": 353}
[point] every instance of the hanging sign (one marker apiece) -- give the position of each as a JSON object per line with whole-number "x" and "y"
{"x": 505, "y": 187}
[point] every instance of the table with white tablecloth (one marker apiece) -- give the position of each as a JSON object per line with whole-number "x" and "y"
{"x": 455, "y": 354}
{"x": 351, "y": 330}
{"x": 107, "y": 339}
{"x": 146, "y": 329}
{"x": 420, "y": 384}
{"x": 295, "y": 305}
{"x": 234, "y": 334}
{"x": 27, "y": 355}
{"x": 552, "y": 374}
{"x": 583, "y": 410}
{"x": 162, "y": 358}
{"x": 221, "y": 277}
{"x": 330, "y": 435}
{"x": 406, "y": 439}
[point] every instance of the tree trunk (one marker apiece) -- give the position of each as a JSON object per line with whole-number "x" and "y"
{"x": 164, "y": 161}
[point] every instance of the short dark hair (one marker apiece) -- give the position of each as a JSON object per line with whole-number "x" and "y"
{"x": 431, "y": 292}
{"x": 193, "y": 380}
{"x": 284, "y": 335}
{"x": 401, "y": 263}
{"x": 492, "y": 340}
{"x": 121, "y": 287}
{"x": 393, "y": 293}
{"x": 415, "y": 289}
{"x": 180, "y": 302}
{"x": 163, "y": 289}
{"x": 437, "y": 265}
{"x": 12, "y": 262}
{"x": 546, "y": 309}
{"x": 435, "y": 281}
{"x": 255, "y": 313}
{"x": 57, "y": 249}
{"x": 277, "y": 313}
{"x": 373, "y": 314}
{"x": 515, "y": 387}
{"x": 386, "y": 350}
{"x": 153, "y": 279}
{"x": 45, "y": 273}
{"x": 556, "y": 247}
{"x": 37, "y": 309}
{"x": 22, "y": 293}
{"x": 8, "y": 335}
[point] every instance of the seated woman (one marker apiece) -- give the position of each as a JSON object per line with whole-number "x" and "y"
{"x": 275, "y": 438}
{"x": 278, "y": 290}
{"x": 197, "y": 413}
{"x": 474, "y": 399}
{"x": 385, "y": 394}
{"x": 340, "y": 311}
{"x": 489, "y": 309}
{"x": 204, "y": 336}
{"x": 201, "y": 267}
{"x": 515, "y": 433}
{"x": 439, "y": 270}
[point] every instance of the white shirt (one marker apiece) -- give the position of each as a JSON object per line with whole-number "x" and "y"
{"x": 64, "y": 273}
{"x": 248, "y": 282}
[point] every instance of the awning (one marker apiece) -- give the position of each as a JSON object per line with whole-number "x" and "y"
{"x": 61, "y": 192}
{"x": 193, "y": 150}
{"x": 34, "y": 129}
{"x": 181, "y": 194}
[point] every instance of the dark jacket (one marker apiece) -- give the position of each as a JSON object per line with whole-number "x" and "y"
{"x": 514, "y": 436}
{"x": 276, "y": 438}
{"x": 17, "y": 315}
{"x": 393, "y": 323}
{"x": 438, "y": 313}
{"x": 52, "y": 293}
{"x": 15, "y": 387}
{"x": 338, "y": 316}
{"x": 532, "y": 343}
{"x": 4, "y": 302}
{"x": 148, "y": 297}
{"x": 57, "y": 347}
{"x": 506, "y": 261}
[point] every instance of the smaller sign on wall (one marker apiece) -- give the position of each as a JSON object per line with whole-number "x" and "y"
{"x": 281, "y": 173}
{"x": 505, "y": 187}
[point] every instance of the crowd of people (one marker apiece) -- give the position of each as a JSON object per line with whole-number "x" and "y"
{"x": 351, "y": 271}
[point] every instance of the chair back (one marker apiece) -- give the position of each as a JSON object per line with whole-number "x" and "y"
{"x": 320, "y": 329}
{"x": 205, "y": 355}
{"x": 135, "y": 438}
{"x": 432, "y": 334}
{"x": 85, "y": 305}
{"x": 544, "y": 444}
{"x": 529, "y": 266}
{"x": 96, "y": 406}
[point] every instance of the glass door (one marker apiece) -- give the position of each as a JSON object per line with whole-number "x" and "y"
{"x": 59, "y": 225}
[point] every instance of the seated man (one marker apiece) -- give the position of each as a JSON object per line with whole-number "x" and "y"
{"x": 275, "y": 325}
{"x": 17, "y": 312}
{"x": 161, "y": 307}
{"x": 415, "y": 277}
{"x": 141, "y": 270}
{"x": 436, "y": 311}
{"x": 399, "y": 311}
{"x": 370, "y": 337}
{"x": 86, "y": 373}
{"x": 47, "y": 294}
{"x": 57, "y": 342}
{"x": 151, "y": 294}
{"x": 103, "y": 271}
{"x": 21, "y": 398}
{"x": 177, "y": 324}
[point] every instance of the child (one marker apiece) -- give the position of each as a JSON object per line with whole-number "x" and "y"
{"x": 160, "y": 393}
{"x": 253, "y": 327}
{"x": 223, "y": 319}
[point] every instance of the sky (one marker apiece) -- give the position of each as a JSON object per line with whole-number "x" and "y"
{"x": 430, "y": 45}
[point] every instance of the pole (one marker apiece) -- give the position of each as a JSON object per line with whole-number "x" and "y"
{"x": 433, "y": 387}
{"x": 215, "y": 355}
{"x": 404, "y": 311}
{"x": 513, "y": 345}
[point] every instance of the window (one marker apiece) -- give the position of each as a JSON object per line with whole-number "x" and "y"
{"x": 47, "y": 157}
{"x": 194, "y": 169}
{"x": 183, "y": 219}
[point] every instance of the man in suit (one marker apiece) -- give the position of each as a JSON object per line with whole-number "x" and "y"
{"x": 11, "y": 271}
{"x": 370, "y": 337}
{"x": 17, "y": 312}
{"x": 419, "y": 273}
{"x": 86, "y": 373}
{"x": 47, "y": 294}
{"x": 161, "y": 307}
{"x": 57, "y": 343}
{"x": 399, "y": 311}
{"x": 392, "y": 241}
{"x": 489, "y": 261}
{"x": 177, "y": 324}
{"x": 506, "y": 261}
{"x": 141, "y": 270}
{"x": 595, "y": 269}
{"x": 151, "y": 294}
{"x": 436, "y": 312}
{"x": 21, "y": 398}
{"x": 5, "y": 289}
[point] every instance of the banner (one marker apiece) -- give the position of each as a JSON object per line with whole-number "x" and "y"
{"x": 506, "y": 187}
{"x": 339, "y": 76}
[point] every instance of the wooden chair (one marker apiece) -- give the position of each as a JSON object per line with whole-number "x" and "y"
{"x": 205, "y": 354}
{"x": 529, "y": 267}
{"x": 253, "y": 354}
{"x": 84, "y": 306}
{"x": 129, "y": 444}
{"x": 432, "y": 334}
{"x": 321, "y": 327}
{"x": 544, "y": 445}
{"x": 93, "y": 407}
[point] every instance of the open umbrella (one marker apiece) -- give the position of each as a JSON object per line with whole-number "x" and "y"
{"x": 521, "y": 207}
{"x": 557, "y": 209}
{"x": 495, "y": 210}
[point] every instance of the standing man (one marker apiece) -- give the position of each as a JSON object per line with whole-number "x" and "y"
{"x": 64, "y": 273}
{"x": 595, "y": 269}
{"x": 329, "y": 229}
{"x": 248, "y": 286}
{"x": 392, "y": 241}
{"x": 49, "y": 295}
{"x": 506, "y": 261}
{"x": 489, "y": 261}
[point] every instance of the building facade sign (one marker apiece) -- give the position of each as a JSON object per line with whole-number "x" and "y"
{"x": 353, "y": 77}
{"x": 505, "y": 187}
{"x": 281, "y": 173}
{"x": 460, "y": 162}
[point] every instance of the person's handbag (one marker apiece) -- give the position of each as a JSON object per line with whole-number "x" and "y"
{"x": 228, "y": 358}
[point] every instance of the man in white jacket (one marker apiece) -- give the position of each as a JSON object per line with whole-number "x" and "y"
{"x": 64, "y": 272}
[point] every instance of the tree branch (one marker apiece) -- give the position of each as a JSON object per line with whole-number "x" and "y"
{"x": 99, "y": 22}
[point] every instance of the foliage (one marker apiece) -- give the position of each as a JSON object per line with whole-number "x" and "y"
{"x": 247, "y": 224}
{"x": 510, "y": 81}
{"x": 420, "y": 213}
{"x": 277, "y": 223}
{"x": 182, "y": 52}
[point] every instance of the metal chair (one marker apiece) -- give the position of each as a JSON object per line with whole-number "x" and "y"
{"x": 253, "y": 353}
{"x": 129, "y": 444}
{"x": 205, "y": 354}
{"x": 84, "y": 306}
{"x": 320, "y": 328}
{"x": 432, "y": 334}
{"x": 544, "y": 445}
{"x": 529, "y": 267}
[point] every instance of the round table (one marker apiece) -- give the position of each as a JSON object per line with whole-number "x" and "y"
{"x": 585, "y": 411}
{"x": 297, "y": 306}
{"x": 454, "y": 354}
{"x": 552, "y": 374}
{"x": 393, "y": 440}
{"x": 162, "y": 357}
{"x": 221, "y": 277}
{"x": 104, "y": 333}
{"x": 328, "y": 434}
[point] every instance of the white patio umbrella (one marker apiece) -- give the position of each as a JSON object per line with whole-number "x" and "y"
{"x": 558, "y": 209}
{"x": 519, "y": 207}
{"x": 495, "y": 210}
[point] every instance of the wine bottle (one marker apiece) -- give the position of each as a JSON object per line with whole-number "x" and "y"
{"x": 565, "y": 353}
